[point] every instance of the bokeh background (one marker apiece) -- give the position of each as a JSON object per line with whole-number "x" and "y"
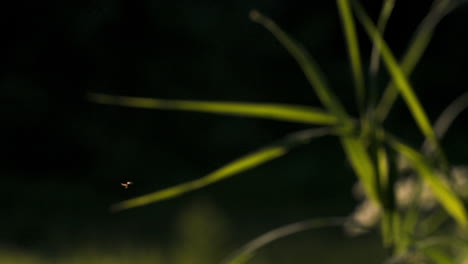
{"x": 64, "y": 157}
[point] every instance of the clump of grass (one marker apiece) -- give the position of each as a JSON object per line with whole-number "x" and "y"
{"x": 375, "y": 154}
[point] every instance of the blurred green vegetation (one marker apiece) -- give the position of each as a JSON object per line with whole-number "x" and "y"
{"x": 64, "y": 158}
{"x": 203, "y": 234}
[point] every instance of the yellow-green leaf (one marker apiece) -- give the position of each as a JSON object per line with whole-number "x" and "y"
{"x": 242, "y": 164}
{"x": 361, "y": 162}
{"x": 349, "y": 28}
{"x": 442, "y": 191}
{"x": 416, "y": 49}
{"x": 283, "y": 112}
{"x": 398, "y": 76}
{"x": 307, "y": 64}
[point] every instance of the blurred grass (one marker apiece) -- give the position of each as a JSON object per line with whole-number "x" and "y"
{"x": 202, "y": 233}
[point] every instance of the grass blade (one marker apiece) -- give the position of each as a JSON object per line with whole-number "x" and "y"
{"x": 307, "y": 64}
{"x": 362, "y": 165}
{"x": 438, "y": 256}
{"x": 414, "y": 53}
{"x": 442, "y": 191}
{"x": 283, "y": 112}
{"x": 385, "y": 13}
{"x": 433, "y": 241}
{"x": 352, "y": 42}
{"x": 246, "y": 252}
{"x": 402, "y": 83}
{"x": 447, "y": 117}
{"x": 242, "y": 164}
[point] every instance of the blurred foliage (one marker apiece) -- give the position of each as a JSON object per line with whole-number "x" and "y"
{"x": 64, "y": 158}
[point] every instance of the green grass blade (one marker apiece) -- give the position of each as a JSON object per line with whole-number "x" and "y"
{"x": 401, "y": 82}
{"x": 246, "y": 252}
{"x": 362, "y": 165}
{"x": 414, "y": 53}
{"x": 283, "y": 112}
{"x": 433, "y": 241}
{"x": 433, "y": 222}
{"x": 374, "y": 66}
{"x": 446, "y": 118}
{"x": 352, "y": 42}
{"x": 442, "y": 191}
{"x": 385, "y": 13}
{"x": 438, "y": 256}
{"x": 240, "y": 165}
{"x": 307, "y": 64}
{"x": 383, "y": 168}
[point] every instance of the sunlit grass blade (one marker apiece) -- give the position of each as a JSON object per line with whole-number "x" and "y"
{"x": 414, "y": 52}
{"x": 352, "y": 42}
{"x": 246, "y": 252}
{"x": 383, "y": 168}
{"x": 442, "y": 191}
{"x": 385, "y": 191}
{"x": 401, "y": 82}
{"x": 307, "y": 64}
{"x": 237, "y": 166}
{"x": 283, "y": 112}
{"x": 362, "y": 165}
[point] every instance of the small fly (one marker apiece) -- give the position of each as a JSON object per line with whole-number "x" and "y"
{"x": 126, "y": 184}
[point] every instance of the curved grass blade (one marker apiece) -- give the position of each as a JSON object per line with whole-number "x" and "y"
{"x": 246, "y": 252}
{"x": 414, "y": 52}
{"x": 442, "y": 191}
{"x": 447, "y": 117}
{"x": 307, "y": 64}
{"x": 352, "y": 42}
{"x": 283, "y": 112}
{"x": 362, "y": 164}
{"x": 402, "y": 83}
{"x": 442, "y": 241}
{"x": 242, "y": 164}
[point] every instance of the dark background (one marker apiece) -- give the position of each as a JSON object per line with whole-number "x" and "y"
{"x": 64, "y": 157}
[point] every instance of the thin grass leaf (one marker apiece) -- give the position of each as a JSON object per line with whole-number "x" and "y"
{"x": 352, "y": 42}
{"x": 362, "y": 165}
{"x": 385, "y": 189}
{"x": 283, "y": 112}
{"x": 240, "y": 165}
{"x": 432, "y": 223}
{"x": 447, "y": 117}
{"x": 383, "y": 168}
{"x": 438, "y": 256}
{"x": 402, "y": 83}
{"x": 246, "y": 252}
{"x": 385, "y": 13}
{"x": 307, "y": 64}
{"x": 414, "y": 53}
{"x": 442, "y": 241}
{"x": 374, "y": 66}
{"x": 386, "y": 229}
{"x": 442, "y": 191}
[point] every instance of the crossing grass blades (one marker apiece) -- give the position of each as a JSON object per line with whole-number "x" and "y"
{"x": 377, "y": 157}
